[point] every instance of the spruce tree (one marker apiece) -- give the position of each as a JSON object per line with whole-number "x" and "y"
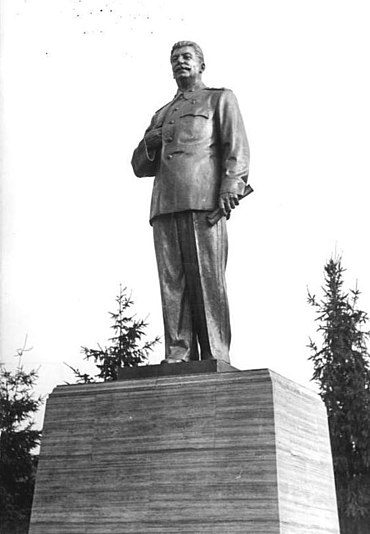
{"x": 126, "y": 348}
{"x": 18, "y": 439}
{"x": 342, "y": 370}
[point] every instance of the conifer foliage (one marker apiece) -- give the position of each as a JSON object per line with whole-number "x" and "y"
{"x": 342, "y": 370}
{"x": 18, "y": 439}
{"x": 126, "y": 349}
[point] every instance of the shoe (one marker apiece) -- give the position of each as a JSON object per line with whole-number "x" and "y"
{"x": 207, "y": 357}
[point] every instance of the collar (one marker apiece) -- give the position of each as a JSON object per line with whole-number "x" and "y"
{"x": 190, "y": 94}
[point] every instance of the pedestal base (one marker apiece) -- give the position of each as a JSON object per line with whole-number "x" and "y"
{"x": 215, "y": 453}
{"x": 175, "y": 369}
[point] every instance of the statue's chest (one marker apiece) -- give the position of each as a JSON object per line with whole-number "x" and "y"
{"x": 189, "y": 121}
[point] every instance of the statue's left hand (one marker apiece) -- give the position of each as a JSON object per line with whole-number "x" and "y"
{"x": 227, "y": 202}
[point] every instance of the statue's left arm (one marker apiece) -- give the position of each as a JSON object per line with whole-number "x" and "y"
{"x": 234, "y": 152}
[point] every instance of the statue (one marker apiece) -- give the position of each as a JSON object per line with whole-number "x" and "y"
{"x": 197, "y": 149}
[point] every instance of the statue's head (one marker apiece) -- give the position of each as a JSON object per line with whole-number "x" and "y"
{"x": 187, "y": 60}
{"x": 197, "y": 49}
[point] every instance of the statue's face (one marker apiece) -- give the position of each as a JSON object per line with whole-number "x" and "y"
{"x": 186, "y": 64}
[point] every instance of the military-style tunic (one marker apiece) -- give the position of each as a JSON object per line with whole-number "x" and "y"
{"x": 204, "y": 153}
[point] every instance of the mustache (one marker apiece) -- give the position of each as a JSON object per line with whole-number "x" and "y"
{"x": 182, "y": 67}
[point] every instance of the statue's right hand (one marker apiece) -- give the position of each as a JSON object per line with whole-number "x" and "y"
{"x": 153, "y": 138}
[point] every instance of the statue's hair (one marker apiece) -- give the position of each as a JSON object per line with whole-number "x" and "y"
{"x": 197, "y": 49}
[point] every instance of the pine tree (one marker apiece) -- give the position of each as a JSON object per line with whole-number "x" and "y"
{"x": 342, "y": 370}
{"x": 126, "y": 349}
{"x": 18, "y": 439}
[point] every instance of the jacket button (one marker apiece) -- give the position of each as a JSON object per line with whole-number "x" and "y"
{"x": 172, "y": 122}
{"x": 169, "y": 156}
{"x": 193, "y": 101}
{"x": 169, "y": 139}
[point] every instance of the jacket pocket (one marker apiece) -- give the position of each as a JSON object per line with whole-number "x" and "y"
{"x": 195, "y": 125}
{"x": 196, "y": 112}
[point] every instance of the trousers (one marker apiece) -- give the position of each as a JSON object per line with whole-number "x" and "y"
{"x": 191, "y": 259}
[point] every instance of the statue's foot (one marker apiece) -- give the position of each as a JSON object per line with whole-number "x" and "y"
{"x": 207, "y": 356}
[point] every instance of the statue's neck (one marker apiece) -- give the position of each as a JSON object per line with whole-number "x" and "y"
{"x": 189, "y": 84}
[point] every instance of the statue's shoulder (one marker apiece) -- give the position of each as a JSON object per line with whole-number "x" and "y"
{"x": 163, "y": 108}
{"x": 160, "y": 114}
{"x": 217, "y": 89}
{"x": 219, "y": 93}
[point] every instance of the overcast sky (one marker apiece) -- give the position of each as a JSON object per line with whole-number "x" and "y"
{"x": 80, "y": 81}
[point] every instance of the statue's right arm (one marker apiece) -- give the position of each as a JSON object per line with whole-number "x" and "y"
{"x": 145, "y": 158}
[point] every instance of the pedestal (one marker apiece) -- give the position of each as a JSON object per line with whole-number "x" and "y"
{"x": 211, "y": 453}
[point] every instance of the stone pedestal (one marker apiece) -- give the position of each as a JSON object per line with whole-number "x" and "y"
{"x": 210, "y": 453}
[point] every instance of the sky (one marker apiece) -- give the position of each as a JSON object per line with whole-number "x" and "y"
{"x": 80, "y": 80}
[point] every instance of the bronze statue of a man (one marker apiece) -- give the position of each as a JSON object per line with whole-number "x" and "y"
{"x": 197, "y": 149}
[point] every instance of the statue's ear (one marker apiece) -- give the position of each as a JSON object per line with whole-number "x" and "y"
{"x": 202, "y": 67}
